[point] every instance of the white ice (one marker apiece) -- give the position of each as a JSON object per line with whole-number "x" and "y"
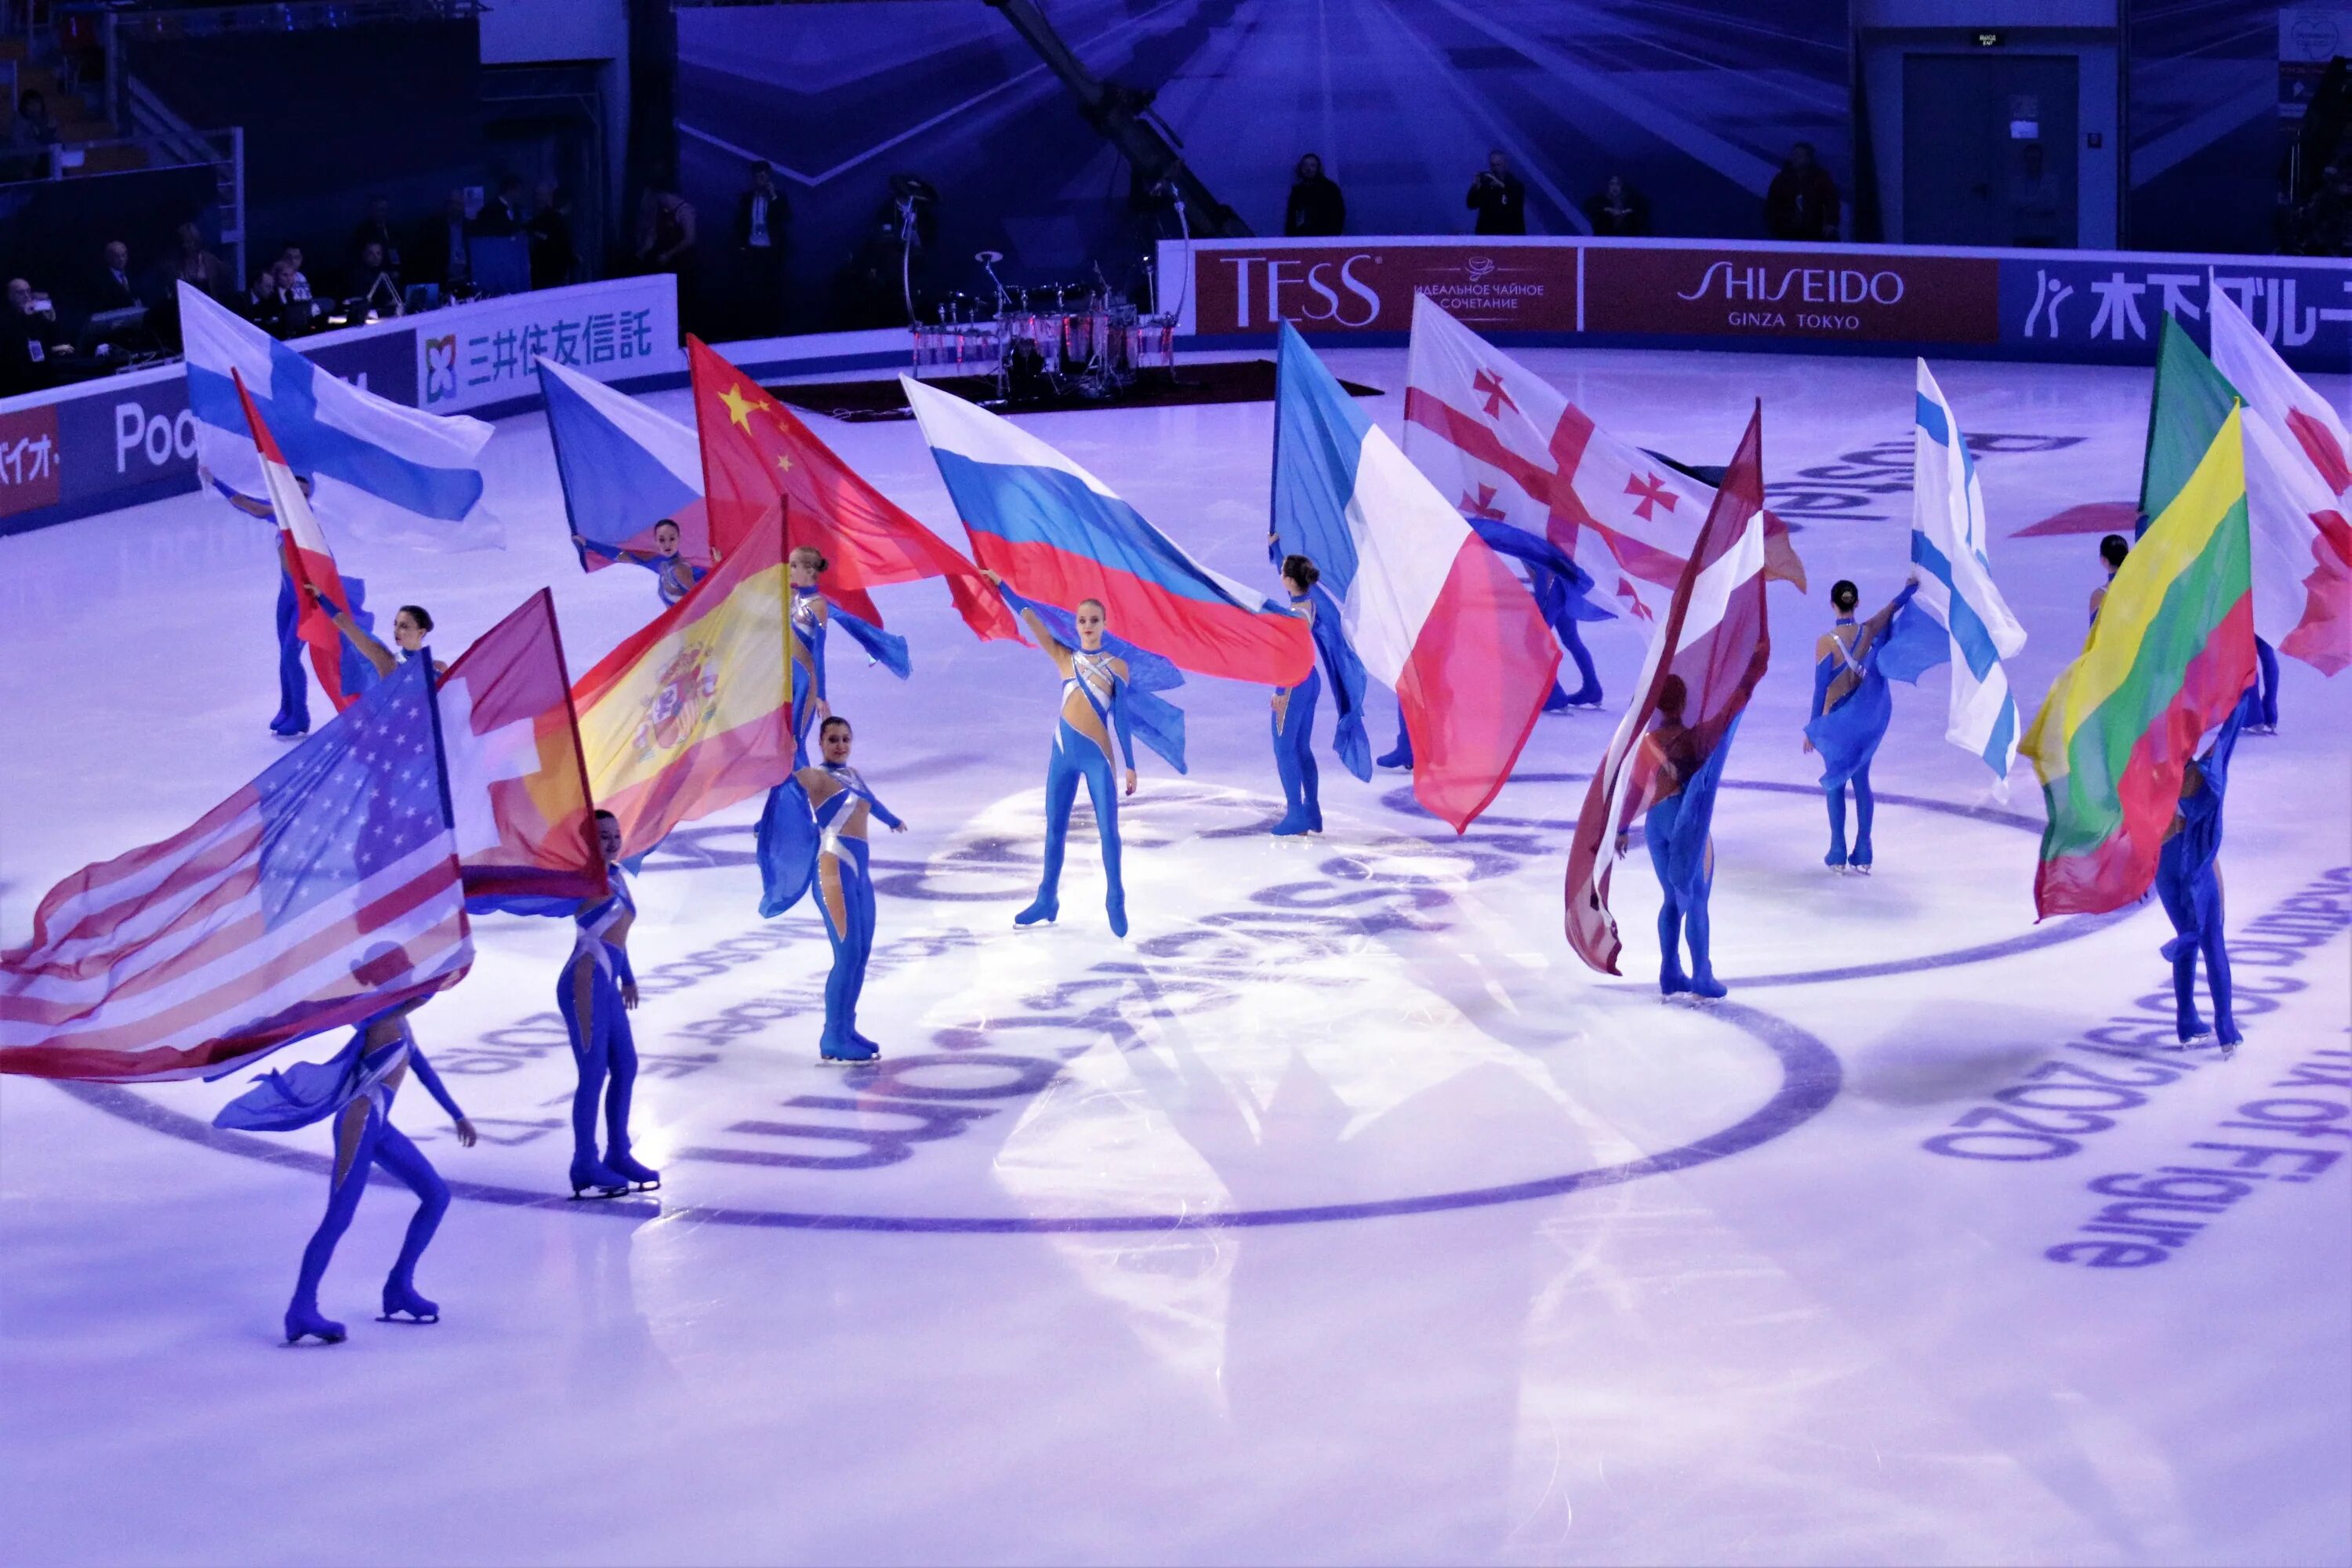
{"x": 1832, "y": 1345}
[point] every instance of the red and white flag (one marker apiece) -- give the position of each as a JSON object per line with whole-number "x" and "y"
{"x": 518, "y": 784}
{"x": 1713, "y": 636}
{"x": 2298, "y": 493}
{"x": 308, "y": 559}
{"x": 1501, "y": 442}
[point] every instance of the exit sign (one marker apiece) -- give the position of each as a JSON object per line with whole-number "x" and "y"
{"x": 1989, "y": 38}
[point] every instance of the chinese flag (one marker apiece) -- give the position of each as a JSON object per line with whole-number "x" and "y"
{"x": 755, "y": 452}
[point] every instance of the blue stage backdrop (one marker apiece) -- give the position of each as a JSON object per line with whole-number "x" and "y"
{"x": 1696, "y": 104}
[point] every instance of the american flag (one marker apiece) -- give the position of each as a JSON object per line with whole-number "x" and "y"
{"x": 320, "y": 893}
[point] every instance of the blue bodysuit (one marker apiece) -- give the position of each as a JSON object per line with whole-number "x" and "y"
{"x": 1294, "y": 742}
{"x": 603, "y": 1047}
{"x": 812, "y": 614}
{"x": 674, "y": 575}
{"x": 1851, "y": 708}
{"x": 356, "y": 1087}
{"x": 2189, "y": 884}
{"x": 1678, "y": 833}
{"x": 825, "y": 845}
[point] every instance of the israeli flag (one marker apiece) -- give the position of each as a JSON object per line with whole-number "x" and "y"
{"x": 380, "y": 472}
{"x": 1956, "y": 592}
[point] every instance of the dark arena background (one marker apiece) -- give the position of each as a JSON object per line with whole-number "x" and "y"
{"x": 1175, "y": 782}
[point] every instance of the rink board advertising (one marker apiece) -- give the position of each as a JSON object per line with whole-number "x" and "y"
{"x": 122, "y": 439}
{"x": 2055, "y": 305}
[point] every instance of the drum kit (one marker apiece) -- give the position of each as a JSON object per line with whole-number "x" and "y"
{"x": 1052, "y": 341}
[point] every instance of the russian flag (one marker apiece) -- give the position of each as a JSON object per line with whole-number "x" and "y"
{"x": 309, "y": 563}
{"x": 1428, "y": 606}
{"x": 625, "y": 469}
{"x": 1058, "y": 535}
{"x": 390, "y": 475}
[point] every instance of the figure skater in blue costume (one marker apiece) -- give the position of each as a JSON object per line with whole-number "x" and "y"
{"x": 2113, "y": 549}
{"x": 596, "y": 995}
{"x": 2189, "y": 885}
{"x": 1850, "y": 714}
{"x": 824, "y": 843}
{"x": 1681, "y": 848}
{"x": 674, "y": 575}
{"x": 356, "y": 1088}
{"x": 1562, "y": 591}
{"x": 2264, "y": 719}
{"x": 1093, "y": 709}
{"x": 410, "y": 626}
{"x": 1294, "y": 706}
{"x": 812, "y": 613}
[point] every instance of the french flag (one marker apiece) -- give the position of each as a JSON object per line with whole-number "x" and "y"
{"x": 309, "y": 563}
{"x": 1431, "y": 610}
{"x": 624, "y": 467}
{"x": 1058, "y": 535}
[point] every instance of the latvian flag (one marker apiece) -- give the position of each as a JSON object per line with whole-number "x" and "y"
{"x": 1714, "y": 635}
{"x": 320, "y": 894}
{"x": 1430, "y": 609}
{"x": 1501, "y": 443}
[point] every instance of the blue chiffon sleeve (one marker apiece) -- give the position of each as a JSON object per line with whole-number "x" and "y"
{"x": 1346, "y": 671}
{"x": 888, "y": 650}
{"x": 787, "y": 848}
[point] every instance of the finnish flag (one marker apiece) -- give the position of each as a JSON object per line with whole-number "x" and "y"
{"x": 380, "y": 472}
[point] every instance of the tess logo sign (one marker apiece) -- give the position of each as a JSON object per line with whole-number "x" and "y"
{"x": 1340, "y": 289}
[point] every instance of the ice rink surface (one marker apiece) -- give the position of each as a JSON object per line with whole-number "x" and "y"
{"x": 1338, "y": 1214}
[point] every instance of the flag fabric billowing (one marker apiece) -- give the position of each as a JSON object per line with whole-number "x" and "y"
{"x": 517, "y": 783}
{"x": 756, "y": 451}
{"x": 2298, "y": 497}
{"x": 1958, "y": 614}
{"x": 2169, "y": 655}
{"x": 1714, "y": 635}
{"x": 343, "y": 670}
{"x": 2191, "y": 402}
{"x": 625, "y": 469}
{"x": 1058, "y": 535}
{"x": 693, "y": 712}
{"x": 1502, "y": 439}
{"x": 387, "y": 474}
{"x": 320, "y": 894}
{"x": 1429, "y": 608}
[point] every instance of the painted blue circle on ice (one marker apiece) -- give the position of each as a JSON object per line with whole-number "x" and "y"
{"x": 1810, "y": 1077}
{"x": 2070, "y": 928}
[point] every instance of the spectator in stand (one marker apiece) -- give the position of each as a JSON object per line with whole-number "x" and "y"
{"x": 552, "y": 256}
{"x": 198, "y": 267}
{"x": 1619, "y": 212}
{"x": 375, "y": 282}
{"x": 442, "y": 254}
{"x": 291, "y": 282}
{"x": 1499, "y": 198}
{"x": 501, "y": 215}
{"x": 1316, "y": 206}
{"x": 111, "y": 289}
{"x": 1802, "y": 201}
{"x": 264, "y": 304}
{"x": 763, "y": 224}
{"x": 665, "y": 241}
{"x": 2321, "y": 225}
{"x": 37, "y": 128}
{"x": 376, "y": 229}
{"x": 30, "y": 342}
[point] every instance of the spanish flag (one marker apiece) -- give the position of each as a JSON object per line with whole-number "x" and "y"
{"x": 2170, "y": 655}
{"x": 693, "y": 712}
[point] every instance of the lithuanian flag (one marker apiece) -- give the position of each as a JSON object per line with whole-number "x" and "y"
{"x": 2171, "y": 654}
{"x": 693, "y": 712}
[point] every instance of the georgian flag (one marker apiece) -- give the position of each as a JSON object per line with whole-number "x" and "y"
{"x": 1501, "y": 443}
{"x": 2298, "y": 492}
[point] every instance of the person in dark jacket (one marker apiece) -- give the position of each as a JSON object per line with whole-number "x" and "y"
{"x": 1802, "y": 202}
{"x": 1619, "y": 211}
{"x": 552, "y": 255}
{"x": 376, "y": 229}
{"x": 110, "y": 287}
{"x": 762, "y": 224}
{"x": 1316, "y": 208}
{"x": 1499, "y": 198}
{"x": 443, "y": 252}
